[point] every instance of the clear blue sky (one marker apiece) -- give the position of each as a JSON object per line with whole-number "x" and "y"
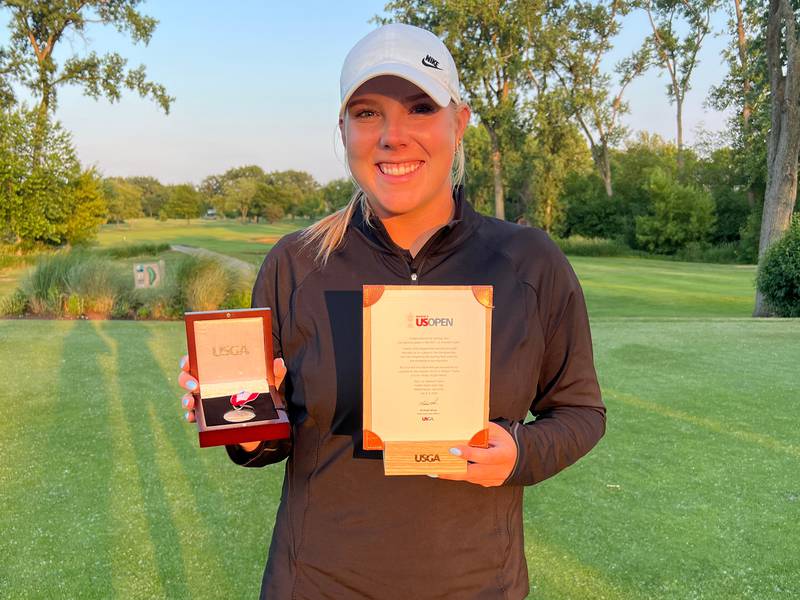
{"x": 257, "y": 83}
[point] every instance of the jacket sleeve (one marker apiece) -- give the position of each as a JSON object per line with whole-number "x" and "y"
{"x": 265, "y": 295}
{"x": 569, "y": 412}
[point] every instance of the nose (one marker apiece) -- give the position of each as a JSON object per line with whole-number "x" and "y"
{"x": 395, "y": 133}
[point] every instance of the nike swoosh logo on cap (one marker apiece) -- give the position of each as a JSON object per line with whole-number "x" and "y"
{"x": 431, "y": 62}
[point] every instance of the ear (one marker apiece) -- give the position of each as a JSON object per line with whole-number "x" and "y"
{"x": 341, "y": 131}
{"x": 463, "y": 114}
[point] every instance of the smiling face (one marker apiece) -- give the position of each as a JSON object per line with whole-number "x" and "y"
{"x": 400, "y": 147}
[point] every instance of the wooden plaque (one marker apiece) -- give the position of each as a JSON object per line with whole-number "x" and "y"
{"x": 426, "y": 374}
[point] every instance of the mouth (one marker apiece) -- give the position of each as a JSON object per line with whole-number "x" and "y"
{"x": 399, "y": 169}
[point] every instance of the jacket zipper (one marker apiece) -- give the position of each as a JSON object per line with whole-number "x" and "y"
{"x": 414, "y": 273}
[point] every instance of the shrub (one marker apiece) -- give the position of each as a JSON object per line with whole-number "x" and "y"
{"x": 750, "y": 233}
{"x": 132, "y": 250}
{"x": 726, "y": 253}
{"x": 779, "y": 273}
{"x": 590, "y": 212}
{"x": 680, "y": 214}
{"x": 577, "y": 245}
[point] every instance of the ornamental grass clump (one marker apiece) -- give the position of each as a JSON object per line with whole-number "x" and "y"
{"x": 14, "y": 305}
{"x": 779, "y": 273}
{"x": 206, "y": 283}
{"x": 99, "y": 285}
{"x": 46, "y": 287}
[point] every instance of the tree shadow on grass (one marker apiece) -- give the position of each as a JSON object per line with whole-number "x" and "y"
{"x": 158, "y": 435}
{"x": 73, "y": 449}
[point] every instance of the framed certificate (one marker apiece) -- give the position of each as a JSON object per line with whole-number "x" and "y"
{"x": 426, "y": 374}
{"x": 230, "y": 355}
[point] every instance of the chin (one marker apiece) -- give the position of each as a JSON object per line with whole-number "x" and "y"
{"x": 395, "y": 202}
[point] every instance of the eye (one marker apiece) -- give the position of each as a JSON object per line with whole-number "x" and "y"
{"x": 423, "y": 108}
{"x": 364, "y": 113}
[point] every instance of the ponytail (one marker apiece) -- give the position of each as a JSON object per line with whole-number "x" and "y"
{"x": 327, "y": 233}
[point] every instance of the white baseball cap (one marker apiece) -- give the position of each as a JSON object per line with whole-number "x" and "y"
{"x": 405, "y": 51}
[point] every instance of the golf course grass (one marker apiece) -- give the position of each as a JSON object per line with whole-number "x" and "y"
{"x": 248, "y": 242}
{"x": 693, "y": 492}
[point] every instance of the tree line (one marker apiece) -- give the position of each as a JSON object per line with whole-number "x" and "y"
{"x": 548, "y": 145}
{"x": 247, "y": 193}
{"x": 531, "y": 70}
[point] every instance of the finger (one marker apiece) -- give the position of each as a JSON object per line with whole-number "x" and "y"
{"x": 188, "y": 382}
{"x": 189, "y": 416}
{"x": 188, "y": 401}
{"x": 184, "y": 362}
{"x": 493, "y": 455}
{"x": 279, "y": 368}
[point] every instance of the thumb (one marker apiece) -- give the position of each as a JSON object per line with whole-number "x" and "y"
{"x": 279, "y": 368}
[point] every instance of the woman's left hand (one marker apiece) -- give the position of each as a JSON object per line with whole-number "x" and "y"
{"x": 488, "y": 466}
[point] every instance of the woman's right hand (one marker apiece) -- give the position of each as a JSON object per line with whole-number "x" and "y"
{"x": 189, "y": 383}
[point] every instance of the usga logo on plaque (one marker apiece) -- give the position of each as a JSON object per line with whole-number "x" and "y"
{"x": 148, "y": 275}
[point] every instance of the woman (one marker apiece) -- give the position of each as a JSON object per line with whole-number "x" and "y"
{"x": 343, "y": 529}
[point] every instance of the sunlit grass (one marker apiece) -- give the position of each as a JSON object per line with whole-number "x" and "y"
{"x": 249, "y": 242}
{"x": 693, "y": 492}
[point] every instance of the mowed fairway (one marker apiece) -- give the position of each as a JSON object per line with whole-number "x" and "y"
{"x": 248, "y": 242}
{"x": 693, "y": 493}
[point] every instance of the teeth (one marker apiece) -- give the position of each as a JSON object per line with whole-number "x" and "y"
{"x": 399, "y": 168}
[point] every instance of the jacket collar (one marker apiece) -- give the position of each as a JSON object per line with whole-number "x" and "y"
{"x": 447, "y": 239}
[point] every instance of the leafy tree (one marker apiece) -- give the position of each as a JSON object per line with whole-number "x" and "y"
{"x": 39, "y": 28}
{"x": 680, "y": 214}
{"x": 228, "y": 196}
{"x": 267, "y": 208}
{"x": 499, "y": 46}
{"x": 479, "y": 177}
{"x": 242, "y": 193}
{"x": 718, "y": 174}
{"x": 123, "y": 198}
{"x": 50, "y": 201}
{"x": 184, "y": 202}
{"x": 291, "y": 190}
{"x": 556, "y": 149}
{"x": 337, "y": 193}
{"x": 590, "y": 30}
{"x": 88, "y": 208}
{"x": 589, "y": 211}
{"x": 783, "y": 144}
{"x": 745, "y": 90}
{"x": 153, "y": 194}
{"x": 676, "y": 54}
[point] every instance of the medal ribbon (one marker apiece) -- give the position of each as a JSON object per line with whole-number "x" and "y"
{"x": 243, "y": 398}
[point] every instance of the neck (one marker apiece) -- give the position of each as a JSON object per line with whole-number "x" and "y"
{"x": 412, "y": 230}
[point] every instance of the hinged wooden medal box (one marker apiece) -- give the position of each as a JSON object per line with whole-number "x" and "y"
{"x": 230, "y": 355}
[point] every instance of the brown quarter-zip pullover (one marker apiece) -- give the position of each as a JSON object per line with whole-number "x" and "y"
{"x": 343, "y": 529}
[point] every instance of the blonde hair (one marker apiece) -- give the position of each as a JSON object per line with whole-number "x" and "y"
{"x": 327, "y": 233}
